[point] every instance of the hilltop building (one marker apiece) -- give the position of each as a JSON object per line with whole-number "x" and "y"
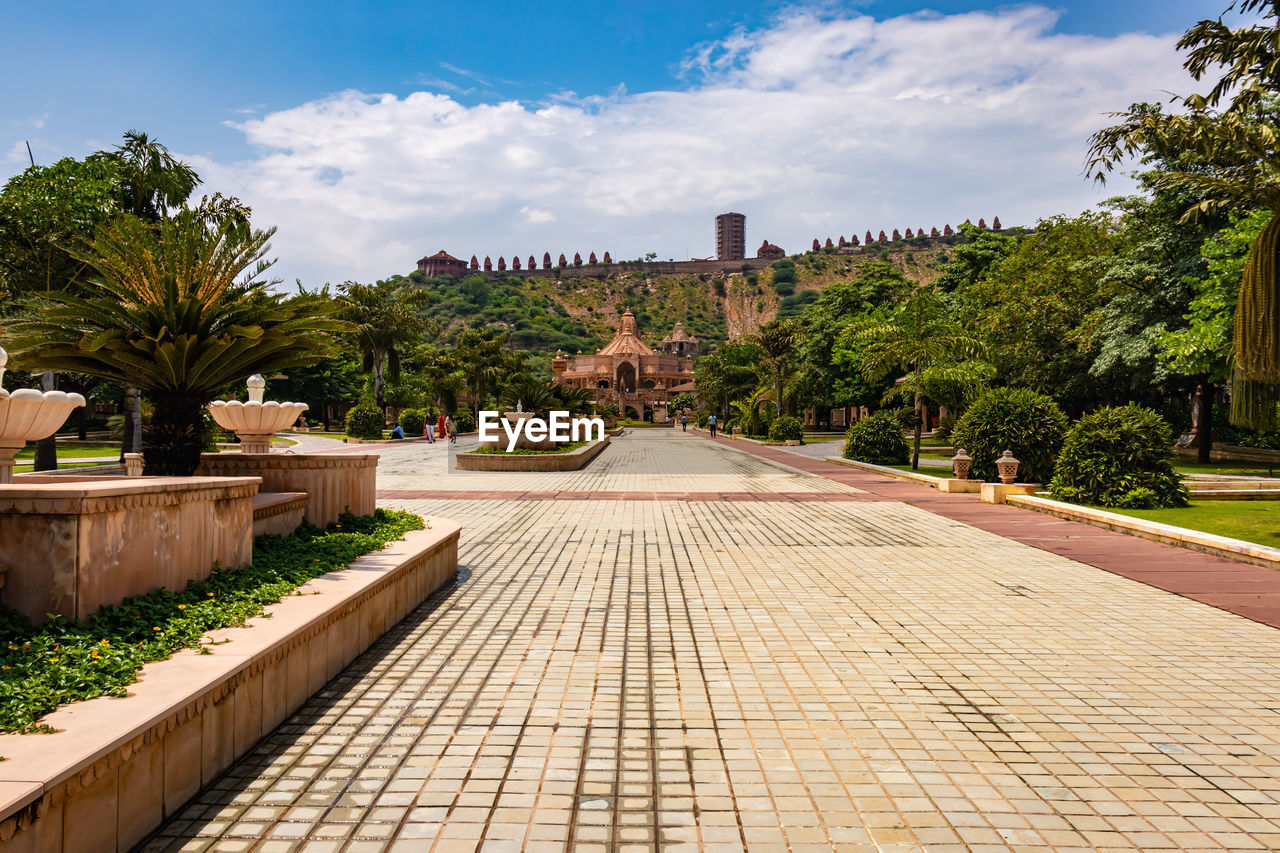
{"x": 443, "y": 263}
{"x": 731, "y": 237}
{"x": 629, "y": 374}
{"x": 679, "y": 342}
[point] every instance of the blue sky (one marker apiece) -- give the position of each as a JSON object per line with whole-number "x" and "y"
{"x": 246, "y": 89}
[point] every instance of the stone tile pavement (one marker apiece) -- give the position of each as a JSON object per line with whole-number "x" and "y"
{"x": 615, "y": 674}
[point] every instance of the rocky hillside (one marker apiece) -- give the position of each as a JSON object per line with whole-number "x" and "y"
{"x": 575, "y": 314}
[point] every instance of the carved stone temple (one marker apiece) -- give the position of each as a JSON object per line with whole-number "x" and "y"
{"x": 628, "y": 373}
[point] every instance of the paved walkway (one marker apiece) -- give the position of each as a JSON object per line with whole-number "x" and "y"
{"x": 805, "y": 674}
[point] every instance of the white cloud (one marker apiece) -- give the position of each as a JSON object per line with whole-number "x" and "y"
{"x": 815, "y": 126}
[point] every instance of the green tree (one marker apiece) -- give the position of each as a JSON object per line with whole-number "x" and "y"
{"x": 386, "y": 321}
{"x": 921, "y": 337}
{"x": 485, "y": 361}
{"x": 1029, "y": 310}
{"x": 730, "y": 373}
{"x": 971, "y": 260}
{"x": 181, "y": 310}
{"x": 1203, "y": 348}
{"x": 43, "y": 211}
{"x": 1229, "y": 139}
{"x": 780, "y": 340}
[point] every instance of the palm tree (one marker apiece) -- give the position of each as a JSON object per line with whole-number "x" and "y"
{"x": 385, "y": 316}
{"x": 780, "y": 340}
{"x": 485, "y": 361}
{"x": 1232, "y": 154}
{"x": 921, "y": 337}
{"x": 180, "y": 310}
{"x": 151, "y": 180}
{"x": 748, "y": 409}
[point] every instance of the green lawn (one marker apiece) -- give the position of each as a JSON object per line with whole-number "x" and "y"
{"x": 1252, "y": 521}
{"x": 816, "y": 437}
{"x": 80, "y": 452}
{"x": 1245, "y": 469}
{"x": 940, "y": 473}
{"x": 25, "y": 467}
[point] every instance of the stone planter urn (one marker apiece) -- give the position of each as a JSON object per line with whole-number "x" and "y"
{"x": 28, "y": 415}
{"x": 255, "y": 422}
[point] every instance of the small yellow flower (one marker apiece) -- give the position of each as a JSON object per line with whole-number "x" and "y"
{"x": 105, "y": 643}
{"x": 4, "y": 667}
{"x": 210, "y": 595}
{"x": 13, "y": 648}
{"x": 156, "y": 628}
{"x": 53, "y": 660}
{"x": 182, "y": 607}
{"x": 94, "y": 655}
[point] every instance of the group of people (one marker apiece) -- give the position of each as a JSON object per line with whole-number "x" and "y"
{"x": 711, "y": 423}
{"x": 433, "y": 428}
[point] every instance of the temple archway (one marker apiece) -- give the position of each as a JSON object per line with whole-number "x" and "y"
{"x": 626, "y": 377}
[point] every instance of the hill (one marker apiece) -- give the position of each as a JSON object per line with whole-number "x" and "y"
{"x": 580, "y": 313}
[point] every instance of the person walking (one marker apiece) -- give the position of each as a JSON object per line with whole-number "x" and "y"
{"x": 711, "y": 422}
{"x": 684, "y": 423}
{"x": 440, "y": 433}
{"x": 451, "y": 430}
{"x": 428, "y": 429}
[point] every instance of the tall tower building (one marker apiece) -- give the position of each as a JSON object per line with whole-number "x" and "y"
{"x": 731, "y": 237}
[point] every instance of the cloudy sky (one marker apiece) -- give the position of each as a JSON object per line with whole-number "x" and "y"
{"x": 371, "y": 134}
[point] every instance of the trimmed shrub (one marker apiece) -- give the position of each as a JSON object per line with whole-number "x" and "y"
{"x": 464, "y": 421}
{"x": 1029, "y": 424}
{"x": 1119, "y": 456}
{"x": 877, "y": 439}
{"x": 412, "y": 421}
{"x": 365, "y": 421}
{"x": 786, "y": 428}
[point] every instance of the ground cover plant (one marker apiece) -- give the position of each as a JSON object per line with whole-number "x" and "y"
{"x": 1119, "y": 456}
{"x": 877, "y": 439}
{"x": 61, "y": 661}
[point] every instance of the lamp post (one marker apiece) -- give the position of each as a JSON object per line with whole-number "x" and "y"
{"x": 1007, "y": 467}
{"x": 960, "y": 464}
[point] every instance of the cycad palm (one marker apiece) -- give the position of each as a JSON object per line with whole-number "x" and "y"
{"x": 919, "y": 337}
{"x": 179, "y": 310}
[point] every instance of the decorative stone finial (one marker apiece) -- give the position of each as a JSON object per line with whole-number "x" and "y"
{"x": 4, "y": 359}
{"x": 257, "y": 387}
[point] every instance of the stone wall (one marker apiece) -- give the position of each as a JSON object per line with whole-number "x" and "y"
{"x": 72, "y": 546}
{"x": 335, "y": 483}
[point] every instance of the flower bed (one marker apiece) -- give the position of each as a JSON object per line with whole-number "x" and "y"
{"x": 61, "y": 661}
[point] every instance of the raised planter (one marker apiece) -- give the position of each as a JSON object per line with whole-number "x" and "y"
{"x": 117, "y": 768}
{"x": 571, "y": 461}
{"x": 278, "y": 513}
{"x": 334, "y": 482}
{"x": 74, "y": 545}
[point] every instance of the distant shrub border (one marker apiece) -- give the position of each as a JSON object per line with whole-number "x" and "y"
{"x": 1119, "y": 457}
{"x": 1028, "y": 423}
{"x": 365, "y": 421}
{"x": 877, "y": 439}
{"x": 62, "y": 662}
